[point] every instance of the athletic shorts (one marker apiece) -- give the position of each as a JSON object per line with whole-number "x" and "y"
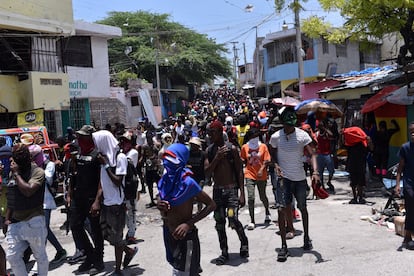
{"x": 183, "y": 255}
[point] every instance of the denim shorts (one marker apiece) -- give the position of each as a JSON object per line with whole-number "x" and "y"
{"x": 294, "y": 188}
{"x": 112, "y": 223}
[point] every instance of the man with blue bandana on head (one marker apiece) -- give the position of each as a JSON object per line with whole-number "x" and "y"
{"x": 177, "y": 193}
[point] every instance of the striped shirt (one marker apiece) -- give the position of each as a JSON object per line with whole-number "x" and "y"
{"x": 290, "y": 152}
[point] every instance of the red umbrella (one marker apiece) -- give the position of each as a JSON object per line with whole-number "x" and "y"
{"x": 378, "y": 99}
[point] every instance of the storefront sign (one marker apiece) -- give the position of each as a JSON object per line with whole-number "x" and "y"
{"x": 77, "y": 87}
{"x": 29, "y": 118}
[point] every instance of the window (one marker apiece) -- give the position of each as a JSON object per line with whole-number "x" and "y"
{"x": 341, "y": 50}
{"x": 372, "y": 55}
{"x": 134, "y": 101}
{"x": 77, "y": 51}
{"x": 325, "y": 46}
{"x": 284, "y": 50}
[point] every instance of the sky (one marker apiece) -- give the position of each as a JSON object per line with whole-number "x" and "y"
{"x": 226, "y": 21}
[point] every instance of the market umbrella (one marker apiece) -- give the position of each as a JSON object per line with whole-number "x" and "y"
{"x": 318, "y": 104}
{"x": 286, "y": 101}
{"x": 378, "y": 99}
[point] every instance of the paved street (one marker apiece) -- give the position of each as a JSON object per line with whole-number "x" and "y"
{"x": 343, "y": 243}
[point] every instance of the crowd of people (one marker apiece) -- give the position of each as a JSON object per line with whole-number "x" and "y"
{"x": 224, "y": 139}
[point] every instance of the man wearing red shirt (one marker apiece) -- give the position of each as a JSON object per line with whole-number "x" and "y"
{"x": 324, "y": 137}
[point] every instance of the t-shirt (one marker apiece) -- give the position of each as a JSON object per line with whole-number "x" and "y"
{"x": 324, "y": 144}
{"x": 114, "y": 195}
{"x": 49, "y": 201}
{"x": 133, "y": 155}
{"x": 37, "y": 177}
{"x": 254, "y": 160}
{"x": 406, "y": 152}
{"x": 87, "y": 177}
{"x": 241, "y": 132}
{"x": 290, "y": 151}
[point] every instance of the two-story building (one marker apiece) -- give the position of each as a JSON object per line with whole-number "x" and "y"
{"x": 53, "y": 65}
{"x": 32, "y": 73}
{"x": 320, "y": 60}
{"x": 85, "y": 56}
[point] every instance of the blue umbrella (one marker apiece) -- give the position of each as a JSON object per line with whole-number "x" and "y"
{"x": 318, "y": 104}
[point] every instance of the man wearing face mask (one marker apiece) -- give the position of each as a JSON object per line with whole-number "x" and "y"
{"x": 256, "y": 157}
{"x": 289, "y": 144}
{"x": 49, "y": 204}
{"x": 84, "y": 176}
{"x": 27, "y": 226}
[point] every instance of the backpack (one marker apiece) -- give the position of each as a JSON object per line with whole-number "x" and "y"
{"x": 211, "y": 152}
{"x": 130, "y": 185}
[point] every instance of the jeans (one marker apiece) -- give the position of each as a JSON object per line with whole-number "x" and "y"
{"x": 261, "y": 186}
{"x": 325, "y": 160}
{"x": 22, "y": 234}
{"x": 131, "y": 217}
{"x": 50, "y": 235}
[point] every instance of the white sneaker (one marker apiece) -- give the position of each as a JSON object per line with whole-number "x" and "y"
{"x": 250, "y": 226}
{"x": 268, "y": 219}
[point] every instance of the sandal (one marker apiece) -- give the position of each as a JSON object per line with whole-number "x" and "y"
{"x": 283, "y": 254}
{"x": 221, "y": 260}
{"x": 244, "y": 251}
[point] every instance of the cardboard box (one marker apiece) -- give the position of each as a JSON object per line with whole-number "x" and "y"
{"x": 399, "y": 222}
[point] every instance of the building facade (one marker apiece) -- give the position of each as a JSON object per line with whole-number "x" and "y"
{"x": 321, "y": 60}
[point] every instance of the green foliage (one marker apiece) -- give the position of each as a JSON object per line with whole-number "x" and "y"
{"x": 369, "y": 18}
{"x": 181, "y": 52}
{"x": 121, "y": 78}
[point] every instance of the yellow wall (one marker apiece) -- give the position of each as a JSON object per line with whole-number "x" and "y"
{"x": 285, "y": 83}
{"x": 50, "y": 97}
{"x": 18, "y": 96}
{"x": 54, "y": 16}
{"x": 9, "y": 95}
{"x": 346, "y": 94}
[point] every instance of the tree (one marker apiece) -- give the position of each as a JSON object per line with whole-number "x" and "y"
{"x": 182, "y": 53}
{"x": 365, "y": 20}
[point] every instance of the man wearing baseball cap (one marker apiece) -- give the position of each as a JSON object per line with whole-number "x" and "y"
{"x": 85, "y": 178}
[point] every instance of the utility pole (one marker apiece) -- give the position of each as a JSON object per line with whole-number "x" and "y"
{"x": 246, "y": 73}
{"x": 235, "y": 58}
{"x": 301, "y": 74}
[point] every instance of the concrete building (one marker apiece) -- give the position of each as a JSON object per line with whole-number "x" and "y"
{"x": 52, "y": 64}
{"x": 32, "y": 74}
{"x": 321, "y": 60}
{"x": 87, "y": 66}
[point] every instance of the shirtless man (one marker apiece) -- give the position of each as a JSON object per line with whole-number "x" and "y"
{"x": 224, "y": 164}
{"x": 177, "y": 193}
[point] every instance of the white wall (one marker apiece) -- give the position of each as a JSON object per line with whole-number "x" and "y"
{"x": 345, "y": 64}
{"x": 91, "y": 82}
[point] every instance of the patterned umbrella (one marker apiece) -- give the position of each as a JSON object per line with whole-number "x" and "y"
{"x": 318, "y": 104}
{"x": 286, "y": 101}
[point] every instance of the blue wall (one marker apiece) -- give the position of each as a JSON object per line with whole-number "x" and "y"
{"x": 290, "y": 70}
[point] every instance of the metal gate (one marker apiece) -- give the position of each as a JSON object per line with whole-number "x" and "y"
{"x": 77, "y": 112}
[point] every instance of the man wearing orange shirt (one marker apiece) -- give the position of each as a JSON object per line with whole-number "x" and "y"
{"x": 256, "y": 156}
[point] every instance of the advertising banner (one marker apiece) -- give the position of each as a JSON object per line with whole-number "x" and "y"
{"x": 29, "y": 118}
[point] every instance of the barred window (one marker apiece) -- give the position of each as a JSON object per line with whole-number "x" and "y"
{"x": 77, "y": 51}
{"x": 325, "y": 46}
{"x": 341, "y": 50}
